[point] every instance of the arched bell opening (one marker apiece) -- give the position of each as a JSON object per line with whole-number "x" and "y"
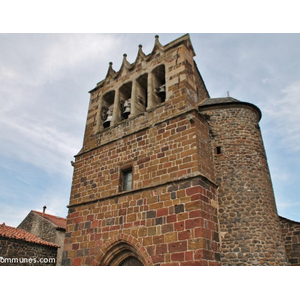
{"x": 125, "y": 100}
{"x": 122, "y": 254}
{"x": 159, "y": 84}
{"x": 142, "y": 93}
{"x": 107, "y": 109}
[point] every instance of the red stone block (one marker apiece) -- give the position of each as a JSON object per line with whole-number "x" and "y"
{"x": 189, "y": 255}
{"x": 203, "y": 232}
{"x": 179, "y": 226}
{"x": 77, "y": 261}
{"x": 94, "y": 224}
{"x": 204, "y": 254}
{"x": 75, "y": 246}
{"x": 195, "y": 197}
{"x": 161, "y": 249}
{"x": 177, "y": 246}
{"x": 171, "y": 218}
{"x": 162, "y": 212}
{"x": 184, "y": 235}
{"x": 195, "y": 214}
{"x": 192, "y": 223}
{"x": 78, "y": 219}
{"x": 158, "y": 258}
{"x": 177, "y": 256}
{"x": 90, "y": 217}
{"x": 193, "y": 263}
{"x": 193, "y": 190}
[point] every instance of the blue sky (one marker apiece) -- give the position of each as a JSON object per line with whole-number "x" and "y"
{"x": 44, "y": 84}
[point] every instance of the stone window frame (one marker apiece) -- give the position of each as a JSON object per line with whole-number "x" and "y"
{"x": 124, "y": 173}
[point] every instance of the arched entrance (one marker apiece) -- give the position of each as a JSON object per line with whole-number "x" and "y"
{"x": 122, "y": 254}
{"x": 131, "y": 261}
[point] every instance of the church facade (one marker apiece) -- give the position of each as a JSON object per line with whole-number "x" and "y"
{"x": 169, "y": 176}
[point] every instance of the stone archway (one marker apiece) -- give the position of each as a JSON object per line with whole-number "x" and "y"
{"x": 122, "y": 254}
{"x": 131, "y": 261}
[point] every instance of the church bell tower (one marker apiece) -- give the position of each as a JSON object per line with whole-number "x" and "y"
{"x": 143, "y": 190}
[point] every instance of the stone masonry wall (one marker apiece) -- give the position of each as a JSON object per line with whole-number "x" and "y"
{"x": 38, "y": 226}
{"x": 42, "y": 228}
{"x": 170, "y": 215}
{"x": 291, "y": 238}
{"x": 166, "y": 152}
{"x": 249, "y": 225}
{"x": 172, "y": 224}
{"x": 21, "y": 253}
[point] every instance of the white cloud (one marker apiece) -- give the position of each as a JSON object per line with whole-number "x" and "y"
{"x": 282, "y": 117}
{"x": 44, "y": 76}
{"x": 39, "y": 144}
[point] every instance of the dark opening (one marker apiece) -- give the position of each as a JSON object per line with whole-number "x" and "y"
{"x": 218, "y": 149}
{"x": 125, "y": 99}
{"x": 159, "y": 81}
{"x": 142, "y": 93}
{"x": 131, "y": 261}
{"x": 107, "y": 108}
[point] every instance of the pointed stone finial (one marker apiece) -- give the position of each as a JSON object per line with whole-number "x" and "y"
{"x": 110, "y": 66}
{"x": 141, "y": 54}
{"x": 125, "y": 62}
{"x": 110, "y": 71}
{"x": 140, "y": 49}
{"x": 157, "y": 44}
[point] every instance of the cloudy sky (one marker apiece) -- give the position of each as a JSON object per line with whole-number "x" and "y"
{"x": 44, "y": 84}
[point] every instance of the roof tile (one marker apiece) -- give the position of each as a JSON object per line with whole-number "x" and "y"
{"x": 58, "y": 221}
{"x": 20, "y": 234}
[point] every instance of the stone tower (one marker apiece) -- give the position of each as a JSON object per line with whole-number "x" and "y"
{"x": 167, "y": 175}
{"x": 250, "y": 231}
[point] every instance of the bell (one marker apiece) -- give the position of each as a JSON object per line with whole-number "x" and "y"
{"x": 106, "y": 123}
{"x": 161, "y": 89}
{"x": 127, "y": 109}
{"x": 161, "y": 92}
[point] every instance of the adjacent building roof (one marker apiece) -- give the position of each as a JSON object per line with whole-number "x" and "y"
{"x": 20, "y": 234}
{"x": 215, "y": 101}
{"x": 228, "y": 101}
{"x": 59, "y": 222}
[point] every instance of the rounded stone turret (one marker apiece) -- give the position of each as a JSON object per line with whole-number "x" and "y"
{"x": 248, "y": 222}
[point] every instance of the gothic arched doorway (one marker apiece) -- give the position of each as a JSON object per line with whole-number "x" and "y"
{"x": 131, "y": 261}
{"x": 122, "y": 254}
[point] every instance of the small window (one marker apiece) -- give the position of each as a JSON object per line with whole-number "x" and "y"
{"x": 218, "y": 150}
{"x": 126, "y": 178}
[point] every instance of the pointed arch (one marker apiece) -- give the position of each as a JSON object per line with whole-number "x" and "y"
{"x": 121, "y": 250}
